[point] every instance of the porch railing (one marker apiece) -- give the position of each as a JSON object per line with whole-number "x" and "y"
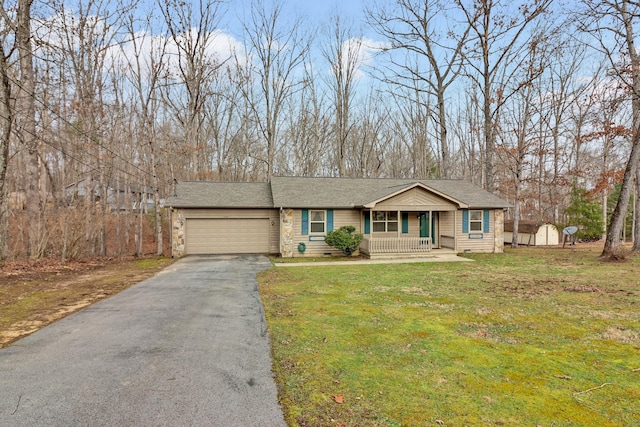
{"x": 390, "y": 245}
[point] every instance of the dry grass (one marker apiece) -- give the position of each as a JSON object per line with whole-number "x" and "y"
{"x": 33, "y": 296}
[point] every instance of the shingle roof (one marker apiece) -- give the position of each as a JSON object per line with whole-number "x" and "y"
{"x": 208, "y": 194}
{"x": 303, "y": 192}
{"x": 530, "y": 227}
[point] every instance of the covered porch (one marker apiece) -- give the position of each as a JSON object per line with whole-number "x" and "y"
{"x": 412, "y": 221}
{"x": 407, "y": 233}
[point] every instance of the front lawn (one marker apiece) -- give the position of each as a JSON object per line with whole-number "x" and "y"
{"x": 534, "y": 337}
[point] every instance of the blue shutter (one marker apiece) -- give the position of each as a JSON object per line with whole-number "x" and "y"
{"x": 486, "y": 220}
{"x": 465, "y": 221}
{"x": 405, "y": 222}
{"x": 329, "y": 220}
{"x": 305, "y": 221}
{"x": 367, "y": 222}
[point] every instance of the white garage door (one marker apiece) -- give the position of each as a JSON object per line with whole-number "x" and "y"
{"x": 227, "y": 236}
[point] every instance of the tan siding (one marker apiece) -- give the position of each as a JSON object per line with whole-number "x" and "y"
{"x": 270, "y": 219}
{"x": 413, "y": 199}
{"x": 484, "y": 245}
{"x": 341, "y": 217}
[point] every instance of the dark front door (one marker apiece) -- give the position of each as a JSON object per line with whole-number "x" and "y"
{"x": 425, "y": 230}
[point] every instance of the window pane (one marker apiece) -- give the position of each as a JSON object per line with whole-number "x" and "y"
{"x": 476, "y": 215}
{"x": 392, "y": 216}
{"x": 317, "y": 227}
{"x": 378, "y": 216}
{"x": 475, "y": 226}
{"x": 392, "y": 226}
{"x": 378, "y": 226}
{"x": 317, "y": 216}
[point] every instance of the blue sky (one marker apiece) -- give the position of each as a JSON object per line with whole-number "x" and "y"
{"x": 323, "y": 9}
{"x": 313, "y": 13}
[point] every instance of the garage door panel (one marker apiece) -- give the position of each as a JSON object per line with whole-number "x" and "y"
{"x": 227, "y": 235}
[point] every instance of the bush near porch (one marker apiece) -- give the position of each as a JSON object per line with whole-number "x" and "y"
{"x": 530, "y": 337}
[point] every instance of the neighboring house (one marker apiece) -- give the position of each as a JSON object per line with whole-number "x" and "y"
{"x": 532, "y": 233}
{"x": 291, "y": 216}
{"x": 120, "y": 197}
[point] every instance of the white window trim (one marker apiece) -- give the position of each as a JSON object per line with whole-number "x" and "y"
{"x": 323, "y": 222}
{"x": 475, "y": 221}
{"x": 386, "y": 222}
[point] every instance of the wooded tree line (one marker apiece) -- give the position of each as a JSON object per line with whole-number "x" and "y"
{"x": 106, "y": 104}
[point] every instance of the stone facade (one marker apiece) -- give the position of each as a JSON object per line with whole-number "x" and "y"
{"x": 498, "y": 224}
{"x": 177, "y": 233}
{"x": 286, "y": 233}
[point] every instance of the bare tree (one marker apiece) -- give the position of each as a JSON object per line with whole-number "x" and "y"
{"x": 6, "y": 123}
{"x": 343, "y": 53}
{"x": 521, "y": 127}
{"x": 145, "y": 67}
{"x": 309, "y": 130}
{"x": 413, "y": 129}
{"x": 564, "y": 91}
{"x": 499, "y": 31}
{"x": 611, "y": 23}
{"x": 26, "y": 128}
{"x": 371, "y": 137}
{"x": 424, "y": 31}
{"x": 275, "y": 52}
{"x": 193, "y": 28}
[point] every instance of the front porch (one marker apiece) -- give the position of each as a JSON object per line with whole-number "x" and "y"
{"x": 403, "y": 247}
{"x": 407, "y": 233}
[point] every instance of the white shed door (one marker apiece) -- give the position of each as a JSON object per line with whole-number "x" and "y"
{"x": 227, "y": 236}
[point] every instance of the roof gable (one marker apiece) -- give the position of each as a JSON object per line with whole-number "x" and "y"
{"x": 416, "y": 195}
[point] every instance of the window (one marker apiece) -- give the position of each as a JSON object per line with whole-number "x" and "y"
{"x": 475, "y": 221}
{"x": 317, "y": 221}
{"x": 385, "y": 221}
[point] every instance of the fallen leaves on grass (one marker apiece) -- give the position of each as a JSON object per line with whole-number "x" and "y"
{"x": 338, "y": 398}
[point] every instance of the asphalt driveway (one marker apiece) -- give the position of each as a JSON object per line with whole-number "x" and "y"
{"x": 187, "y": 347}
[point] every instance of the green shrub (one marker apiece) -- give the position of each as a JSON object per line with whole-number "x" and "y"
{"x": 586, "y": 213}
{"x": 344, "y": 239}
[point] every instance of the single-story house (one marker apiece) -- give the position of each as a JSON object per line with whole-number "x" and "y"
{"x": 290, "y": 216}
{"x": 532, "y": 233}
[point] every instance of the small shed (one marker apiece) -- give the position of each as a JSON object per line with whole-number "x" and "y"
{"x": 532, "y": 233}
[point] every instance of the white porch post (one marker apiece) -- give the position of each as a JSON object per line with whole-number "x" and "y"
{"x": 455, "y": 231}
{"x": 430, "y": 228}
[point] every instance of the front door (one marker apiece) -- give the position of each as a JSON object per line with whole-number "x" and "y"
{"x": 425, "y": 230}
{"x": 424, "y": 224}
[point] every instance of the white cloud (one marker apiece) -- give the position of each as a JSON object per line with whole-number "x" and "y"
{"x": 361, "y": 51}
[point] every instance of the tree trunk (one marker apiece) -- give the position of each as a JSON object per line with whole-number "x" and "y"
{"x": 445, "y": 164}
{"x": 636, "y": 217}
{"x": 6, "y": 121}
{"x": 26, "y": 106}
{"x": 612, "y": 242}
